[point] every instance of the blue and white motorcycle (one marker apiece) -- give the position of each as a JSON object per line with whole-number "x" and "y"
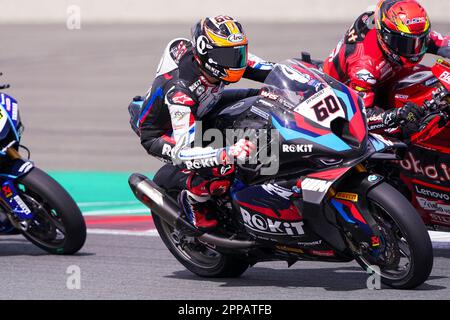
{"x": 31, "y": 202}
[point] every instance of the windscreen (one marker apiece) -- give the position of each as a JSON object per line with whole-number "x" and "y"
{"x": 294, "y": 82}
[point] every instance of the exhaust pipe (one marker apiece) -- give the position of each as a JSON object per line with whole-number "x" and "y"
{"x": 164, "y": 207}
{"x": 167, "y": 209}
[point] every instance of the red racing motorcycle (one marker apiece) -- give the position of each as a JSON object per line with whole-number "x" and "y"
{"x": 424, "y": 173}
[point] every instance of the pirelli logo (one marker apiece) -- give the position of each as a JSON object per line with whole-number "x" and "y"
{"x": 353, "y": 197}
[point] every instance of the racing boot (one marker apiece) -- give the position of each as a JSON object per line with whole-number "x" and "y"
{"x": 196, "y": 210}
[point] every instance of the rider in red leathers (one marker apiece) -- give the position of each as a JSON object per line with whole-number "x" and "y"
{"x": 380, "y": 47}
{"x": 188, "y": 87}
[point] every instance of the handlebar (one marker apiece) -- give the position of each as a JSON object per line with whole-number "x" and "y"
{"x": 437, "y": 106}
{"x": 436, "y": 101}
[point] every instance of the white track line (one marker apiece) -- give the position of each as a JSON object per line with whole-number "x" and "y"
{"x": 440, "y": 236}
{"x": 146, "y": 233}
{"x": 115, "y": 212}
{"x": 441, "y": 240}
{"x": 107, "y": 203}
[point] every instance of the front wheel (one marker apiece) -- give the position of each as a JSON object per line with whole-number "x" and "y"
{"x": 58, "y": 226}
{"x": 406, "y": 260}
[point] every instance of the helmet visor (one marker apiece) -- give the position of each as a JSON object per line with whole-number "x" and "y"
{"x": 407, "y": 45}
{"x": 229, "y": 57}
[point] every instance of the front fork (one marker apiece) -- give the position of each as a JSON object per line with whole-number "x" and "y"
{"x": 354, "y": 214}
{"x": 17, "y": 210}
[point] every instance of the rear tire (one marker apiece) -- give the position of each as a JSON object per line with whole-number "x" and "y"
{"x": 37, "y": 187}
{"x": 413, "y": 231}
{"x": 199, "y": 258}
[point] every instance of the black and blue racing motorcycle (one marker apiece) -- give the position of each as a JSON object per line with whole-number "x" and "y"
{"x": 31, "y": 202}
{"x": 323, "y": 203}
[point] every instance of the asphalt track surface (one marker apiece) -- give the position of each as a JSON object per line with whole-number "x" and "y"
{"x": 73, "y": 88}
{"x": 134, "y": 267}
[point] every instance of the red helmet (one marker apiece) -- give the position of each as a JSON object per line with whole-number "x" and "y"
{"x": 220, "y": 48}
{"x": 403, "y": 29}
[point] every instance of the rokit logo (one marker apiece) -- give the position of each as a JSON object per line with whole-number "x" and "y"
{"x": 301, "y": 148}
{"x": 202, "y": 163}
{"x": 167, "y": 150}
{"x": 266, "y": 225}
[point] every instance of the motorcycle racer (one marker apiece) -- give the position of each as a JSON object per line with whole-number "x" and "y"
{"x": 190, "y": 84}
{"x": 380, "y": 47}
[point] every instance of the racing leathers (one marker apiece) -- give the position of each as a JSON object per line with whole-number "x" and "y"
{"x": 181, "y": 95}
{"x": 359, "y": 62}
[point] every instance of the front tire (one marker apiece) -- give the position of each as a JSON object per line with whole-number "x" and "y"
{"x": 58, "y": 226}
{"x": 397, "y": 216}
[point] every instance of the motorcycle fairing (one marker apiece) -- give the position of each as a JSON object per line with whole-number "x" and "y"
{"x": 9, "y": 116}
{"x": 352, "y": 216}
{"x": 432, "y": 201}
{"x": 442, "y": 71}
{"x": 320, "y": 132}
{"x": 15, "y": 169}
{"x": 268, "y": 212}
{"x": 350, "y": 213}
{"x": 316, "y": 185}
{"x": 381, "y": 144}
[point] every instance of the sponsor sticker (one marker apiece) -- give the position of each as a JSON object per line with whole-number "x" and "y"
{"x": 202, "y": 163}
{"x": 316, "y": 185}
{"x": 182, "y": 99}
{"x": 22, "y": 205}
{"x": 275, "y": 189}
{"x": 366, "y": 76}
{"x": 310, "y": 244}
{"x": 445, "y": 77}
{"x": 322, "y": 253}
{"x": 7, "y": 192}
{"x": 239, "y": 37}
{"x": 432, "y": 193}
{"x": 402, "y": 96}
{"x": 269, "y": 95}
{"x": 259, "y": 112}
{"x": 415, "y": 21}
{"x": 353, "y": 197}
{"x": 301, "y": 148}
{"x": 267, "y": 225}
{"x": 195, "y": 85}
{"x": 289, "y": 249}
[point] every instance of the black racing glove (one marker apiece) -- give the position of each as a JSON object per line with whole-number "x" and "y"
{"x": 408, "y": 117}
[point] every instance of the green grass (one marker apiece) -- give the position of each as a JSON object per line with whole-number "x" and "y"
{"x": 100, "y": 192}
